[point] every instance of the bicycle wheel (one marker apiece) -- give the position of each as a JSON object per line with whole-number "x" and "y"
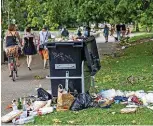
{"x": 13, "y": 75}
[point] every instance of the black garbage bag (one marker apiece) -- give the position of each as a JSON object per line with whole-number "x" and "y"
{"x": 82, "y": 101}
{"x": 43, "y": 95}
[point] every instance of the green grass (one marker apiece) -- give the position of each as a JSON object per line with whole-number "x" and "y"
{"x": 135, "y": 60}
{"x": 140, "y": 37}
{"x": 95, "y": 116}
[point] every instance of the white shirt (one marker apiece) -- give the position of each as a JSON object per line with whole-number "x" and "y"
{"x": 44, "y": 36}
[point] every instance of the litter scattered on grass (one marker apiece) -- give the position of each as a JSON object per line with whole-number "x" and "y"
{"x": 25, "y": 109}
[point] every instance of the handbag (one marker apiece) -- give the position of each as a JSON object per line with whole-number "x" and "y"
{"x": 41, "y": 47}
{"x": 64, "y": 100}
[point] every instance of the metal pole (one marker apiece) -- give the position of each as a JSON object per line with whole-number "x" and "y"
{"x": 67, "y": 81}
{"x": 82, "y": 80}
{"x": 56, "y": 78}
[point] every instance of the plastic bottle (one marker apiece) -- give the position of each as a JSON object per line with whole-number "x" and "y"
{"x": 32, "y": 113}
{"x": 14, "y": 106}
{"x": 19, "y": 103}
{"x": 23, "y": 115}
{"x": 24, "y": 106}
{"x": 24, "y": 120}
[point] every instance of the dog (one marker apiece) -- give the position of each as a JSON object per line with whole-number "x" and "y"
{"x": 116, "y": 39}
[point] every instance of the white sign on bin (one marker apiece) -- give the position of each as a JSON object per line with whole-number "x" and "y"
{"x": 65, "y": 66}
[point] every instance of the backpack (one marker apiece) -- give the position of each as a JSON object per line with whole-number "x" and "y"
{"x": 65, "y": 33}
{"x": 86, "y": 33}
{"x": 79, "y": 33}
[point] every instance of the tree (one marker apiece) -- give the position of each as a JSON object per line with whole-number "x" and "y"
{"x": 52, "y": 13}
{"x": 147, "y": 17}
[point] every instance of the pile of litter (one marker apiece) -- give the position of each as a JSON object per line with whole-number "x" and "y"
{"x": 25, "y": 109}
{"x": 131, "y": 99}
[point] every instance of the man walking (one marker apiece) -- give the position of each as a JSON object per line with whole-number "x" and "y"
{"x": 118, "y": 30}
{"x": 44, "y": 35}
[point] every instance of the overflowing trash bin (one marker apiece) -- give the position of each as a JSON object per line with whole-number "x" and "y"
{"x": 72, "y": 63}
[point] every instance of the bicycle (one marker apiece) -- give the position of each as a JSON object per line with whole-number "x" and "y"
{"x": 13, "y": 66}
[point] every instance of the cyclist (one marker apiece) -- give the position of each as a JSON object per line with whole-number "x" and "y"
{"x": 11, "y": 44}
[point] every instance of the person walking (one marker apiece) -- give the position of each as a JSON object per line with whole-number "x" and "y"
{"x": 118, "y": 30}
{"x": 112, "y": 30}
{"x": 29, "y": 47}
{"x": 12, "y": 45}
{"x": 106, "y": 32}
{"x": 79, "y": 34}
{"x": 44, "y": 35}
{"x": 64, "y": 33}
{"x": 128, "y": 32}
{"x": 123, "y": 29}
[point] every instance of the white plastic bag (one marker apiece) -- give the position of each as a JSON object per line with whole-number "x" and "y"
{"x": 109, "y": 94}
{"x": 149, "y": 98}
{"x": 39, "y": 104}
{"x": 119, "y": 93}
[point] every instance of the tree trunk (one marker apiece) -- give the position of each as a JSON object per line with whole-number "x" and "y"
{"x": 137, "y": 27}
{"x": 96, "y": 24}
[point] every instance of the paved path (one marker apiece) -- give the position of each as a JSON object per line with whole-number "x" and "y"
{"x": 101, "y": 39}
{"x": 110, "y": 47}
{"x": 25, "y": 84}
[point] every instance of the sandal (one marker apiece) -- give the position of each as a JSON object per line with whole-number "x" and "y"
{"x": 29, "y": 68}
{"x": 10, "y": 75}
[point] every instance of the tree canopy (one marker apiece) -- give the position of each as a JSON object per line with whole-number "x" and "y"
{"x": 52, "y": 13}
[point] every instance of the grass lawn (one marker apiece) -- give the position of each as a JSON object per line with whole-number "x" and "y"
{"x": 140, "y": 37}
{"x": 136, "y": 61}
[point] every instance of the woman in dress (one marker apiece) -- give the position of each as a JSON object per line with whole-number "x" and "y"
{"x": 29, "y": 47}
{"x": 11, "y": 44}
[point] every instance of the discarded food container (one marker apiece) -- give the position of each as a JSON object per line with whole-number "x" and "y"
{"x": 45, "y": 110}
{"x": 128, "y": 110}
{"x": 39, "y": 104}
{"x": 10, "y": 116}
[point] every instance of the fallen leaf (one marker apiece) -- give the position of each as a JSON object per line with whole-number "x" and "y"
{"x": 71, "y": 122}
{"x": 57, "y": 121}
{"x": 76, "y": 112}
{"x": 134, "y": 122}
{"x": 113, "y": 113}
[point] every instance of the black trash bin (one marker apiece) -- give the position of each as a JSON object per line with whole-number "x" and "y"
{"x": 65, "y": 60}
{"x": 77, "y": 61}
{"x": 91, "y": 55}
